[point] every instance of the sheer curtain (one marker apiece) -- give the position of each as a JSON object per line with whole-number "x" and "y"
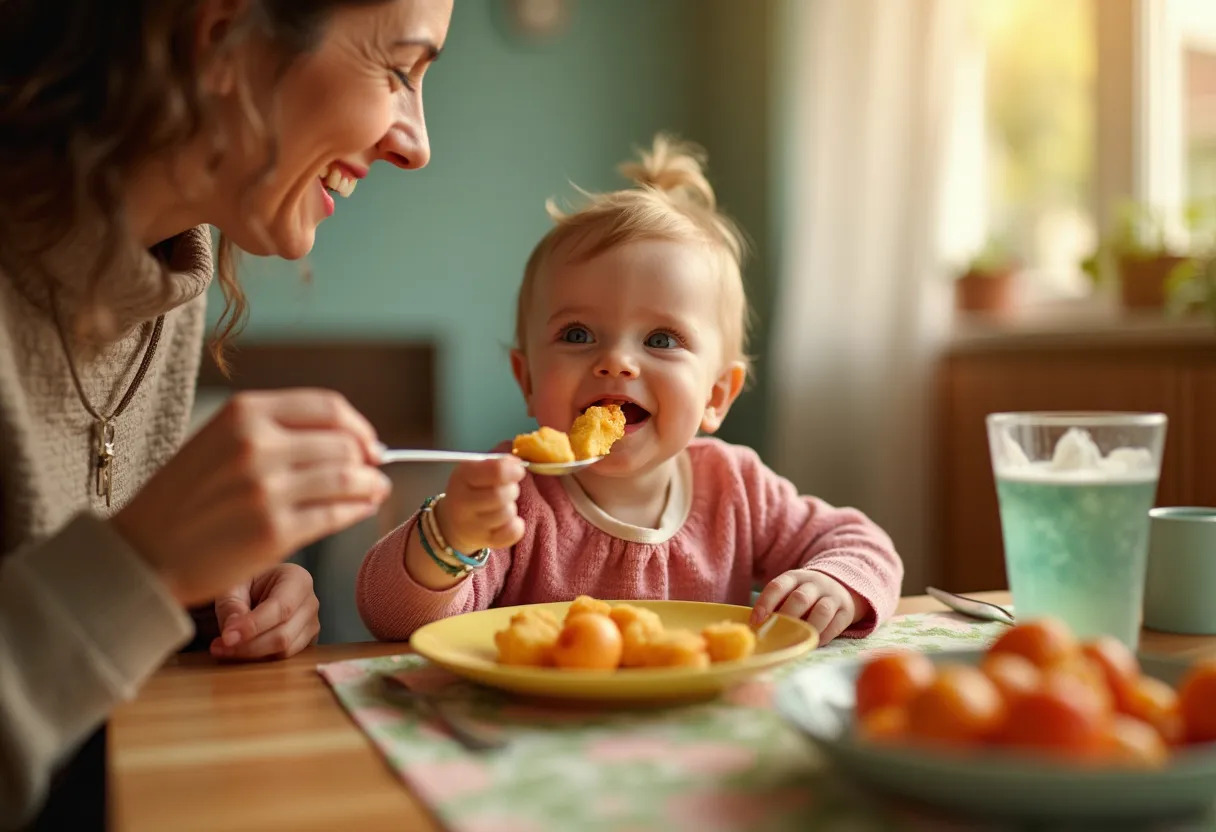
{"x": 864, "y": 299}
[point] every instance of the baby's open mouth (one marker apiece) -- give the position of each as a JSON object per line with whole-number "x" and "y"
{"x": 635, "y": 414}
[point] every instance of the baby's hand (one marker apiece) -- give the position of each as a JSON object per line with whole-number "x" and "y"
{"x": 479, "y": 510}
{"x": 828, "y": 605}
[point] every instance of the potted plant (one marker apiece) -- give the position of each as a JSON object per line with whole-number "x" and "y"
{"x": 1137, "y": 256}
{"x": 987, "y": 285}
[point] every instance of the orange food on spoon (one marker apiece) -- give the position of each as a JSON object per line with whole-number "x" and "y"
{"x": 961, "y": 706}
{"x": 1197, "y": 702}
{"x": 1044, "y": 641}
{"x": 892, "y": 678}
{"x": 588, "y": 641}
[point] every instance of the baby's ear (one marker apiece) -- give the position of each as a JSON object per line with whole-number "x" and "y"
{"x": 726, "y": 389}
{"x": 519, "y": 368}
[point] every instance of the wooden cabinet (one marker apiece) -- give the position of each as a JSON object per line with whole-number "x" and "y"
{"x": 1172, "y": 372}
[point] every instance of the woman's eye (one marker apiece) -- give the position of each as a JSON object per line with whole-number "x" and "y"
{"x": 576, "y": 335}
{"x": 662, "y": 341}
{"x": 404, "y": 78}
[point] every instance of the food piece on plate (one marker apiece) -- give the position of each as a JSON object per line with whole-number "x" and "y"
{"x": 1153, "y": 701}
{"x": 544, "y": 445}
{"x": 538, "y": 616}
{"x": 961, "y": 706}
{"x": 585, "y": 603}
{"x": 626, "y": 614}
{"x": 1134, "y": 744}
{"x": 1063, "y": 718}
{"x": 594, "y": 432}
{"x": 528, "y": 642}
{"x": 887, "y": 724}
{"x": 1045, "y": 641}
{"x": 1013, "y": 674}
{"x": 635, "y": 639}
{"x": 1118, "y": 665}
{"x": 729, "y": 641}
{"x": 892, "y": 679}
{"x": 588, "y": 641}
{"x": 1197, "y": 698}
{"x": 676, "y": 648}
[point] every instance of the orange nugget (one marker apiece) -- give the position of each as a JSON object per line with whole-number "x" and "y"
{"x": 544, "y": 445}
{"x": 729, "y": 641}
{"x": 596, "y": 430}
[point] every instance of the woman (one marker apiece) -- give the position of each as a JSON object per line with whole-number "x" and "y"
{"x": 126, "y": 128}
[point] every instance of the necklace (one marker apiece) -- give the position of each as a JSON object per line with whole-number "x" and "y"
{"x": 103, "y": 426}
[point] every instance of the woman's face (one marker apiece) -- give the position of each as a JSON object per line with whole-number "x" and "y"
{"x": 352, "y": 100}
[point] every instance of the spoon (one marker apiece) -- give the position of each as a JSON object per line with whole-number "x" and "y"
{"x": 550, "y": 469}
{"x": 983, "y": 610}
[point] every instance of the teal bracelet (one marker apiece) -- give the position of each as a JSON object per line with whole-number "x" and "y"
{"x": 467, "y": 563}
{"x": 448, "y": 568}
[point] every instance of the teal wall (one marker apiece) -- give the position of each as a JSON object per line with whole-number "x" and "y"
{"x": 438, "y": 253}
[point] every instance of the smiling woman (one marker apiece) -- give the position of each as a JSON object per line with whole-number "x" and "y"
{"x": 126, "y": 129}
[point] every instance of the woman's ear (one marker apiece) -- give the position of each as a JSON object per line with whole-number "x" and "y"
{"x": 726, "y": 389}
{"x": 519, "y": 369}
{"x": 216, "y": 20}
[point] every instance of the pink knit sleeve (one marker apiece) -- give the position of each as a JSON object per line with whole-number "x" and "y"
{"x": 393, "y": 605}
{"x": 793, "y": 531}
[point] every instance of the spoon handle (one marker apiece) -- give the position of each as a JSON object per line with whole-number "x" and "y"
{"x": 426, "y": 455}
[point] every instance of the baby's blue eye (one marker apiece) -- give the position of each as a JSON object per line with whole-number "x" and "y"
{"x": 576, "y": 335}
{"x": 662, "y": 341}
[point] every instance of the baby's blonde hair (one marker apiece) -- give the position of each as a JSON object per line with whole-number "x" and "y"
{"x": 671, "y": 200}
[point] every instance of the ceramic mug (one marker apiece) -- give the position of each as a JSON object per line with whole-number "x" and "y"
{"x": 1180, "y": 587}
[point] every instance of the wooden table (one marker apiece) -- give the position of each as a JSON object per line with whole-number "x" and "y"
{"x": 266, "y": 746}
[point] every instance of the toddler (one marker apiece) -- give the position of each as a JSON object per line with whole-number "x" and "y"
{"x": 636, "y": 299}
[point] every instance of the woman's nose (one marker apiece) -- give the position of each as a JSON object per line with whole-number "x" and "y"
{"x": 406, "y": 143}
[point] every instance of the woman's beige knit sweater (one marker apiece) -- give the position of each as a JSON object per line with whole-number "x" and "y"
{"x": 83, "y": 621}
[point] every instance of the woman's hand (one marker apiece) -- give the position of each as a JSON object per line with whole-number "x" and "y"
{"x": 271, "y": 473}
{"x": 273, "y": 617}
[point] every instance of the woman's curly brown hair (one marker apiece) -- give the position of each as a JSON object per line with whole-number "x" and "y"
{"x": 89, "y": 90}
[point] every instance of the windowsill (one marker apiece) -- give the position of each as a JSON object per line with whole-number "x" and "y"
{"x": 1090, "y": 322}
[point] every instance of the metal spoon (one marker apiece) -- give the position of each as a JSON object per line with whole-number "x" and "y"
{"x": 474, "y": 737}
{"x": 550, "y": 469}
{"x": 983, "y": 610}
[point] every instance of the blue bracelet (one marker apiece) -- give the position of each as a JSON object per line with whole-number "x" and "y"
{"x": 468, "y": 563}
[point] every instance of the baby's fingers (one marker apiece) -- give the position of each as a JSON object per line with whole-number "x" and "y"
{"x": 772, "y": 596}
{"x": 491, "y": 473}
{"x": 506, "y": 535}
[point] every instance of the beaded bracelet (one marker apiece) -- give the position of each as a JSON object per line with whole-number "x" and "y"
{"x": 428, "y": 532}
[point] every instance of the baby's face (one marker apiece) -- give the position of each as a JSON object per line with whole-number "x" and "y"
{"x": 639, "y": 326}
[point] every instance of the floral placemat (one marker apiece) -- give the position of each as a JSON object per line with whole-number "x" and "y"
{"x": 728, "y": 764}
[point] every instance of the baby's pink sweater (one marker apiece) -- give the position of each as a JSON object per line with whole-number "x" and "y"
{"x": 730, "y": 523}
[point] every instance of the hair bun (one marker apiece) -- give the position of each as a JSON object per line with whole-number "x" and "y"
{"x": 674, "y": 167}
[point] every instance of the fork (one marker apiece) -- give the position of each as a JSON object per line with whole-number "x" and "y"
{"x": 474, "y": 737}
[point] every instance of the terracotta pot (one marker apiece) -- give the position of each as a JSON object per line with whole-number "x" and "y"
{"x": 985, "y": 292}
{"x": 1142, "y": 280}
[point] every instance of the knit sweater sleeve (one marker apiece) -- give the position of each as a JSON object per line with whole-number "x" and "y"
{"x": 83, "y": 624}
{"x": 793, "y": 531}
{"x": 393, "y": 605}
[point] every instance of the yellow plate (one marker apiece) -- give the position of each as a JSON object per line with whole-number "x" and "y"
{"x": 464, "y": 644}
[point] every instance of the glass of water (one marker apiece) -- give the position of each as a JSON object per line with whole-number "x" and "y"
{"x": 1074, "y": 491}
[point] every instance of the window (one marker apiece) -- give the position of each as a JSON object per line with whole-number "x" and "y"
{"x": 1080, "y": 105}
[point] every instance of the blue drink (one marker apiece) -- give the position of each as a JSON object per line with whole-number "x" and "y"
{"x": 1076, "y": 548}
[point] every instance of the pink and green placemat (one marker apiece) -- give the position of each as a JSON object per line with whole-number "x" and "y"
{"x": 728, "y": 764}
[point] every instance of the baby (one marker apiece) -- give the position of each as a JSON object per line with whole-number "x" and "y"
{"x": 636, "y": 299}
